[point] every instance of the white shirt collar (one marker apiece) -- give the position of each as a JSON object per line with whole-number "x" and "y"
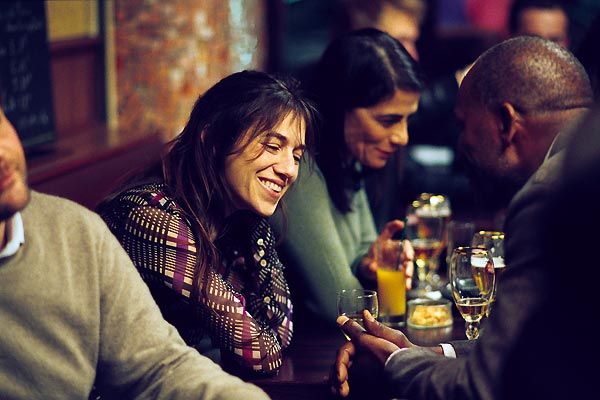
{"x": 16, "y": 236}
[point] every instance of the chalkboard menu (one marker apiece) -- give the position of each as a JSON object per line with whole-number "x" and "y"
{"x": 24, "y": 71}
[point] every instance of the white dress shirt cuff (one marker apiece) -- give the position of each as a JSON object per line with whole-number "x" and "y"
{"x": 448, "y": 350}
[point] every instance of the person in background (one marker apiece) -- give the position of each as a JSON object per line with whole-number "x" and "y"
{"x": 543, "y": 18}
{"x": 401, "y": 19}
{"x": 74, "y": 312}
{"x": 432, "y": 127}
{"x": 366, "y": 86}
{"x": 518, "y": 106}
{"x": 195, "y": 226}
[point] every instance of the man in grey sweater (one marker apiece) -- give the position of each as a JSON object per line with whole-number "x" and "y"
{"x": 74, "y": 313}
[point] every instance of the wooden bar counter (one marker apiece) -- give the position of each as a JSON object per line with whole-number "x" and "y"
{"x": 307, "y": 363}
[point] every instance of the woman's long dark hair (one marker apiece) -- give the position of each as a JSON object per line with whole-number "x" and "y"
{"x": 224, "y": 120}
{"x": 359, "y": 69}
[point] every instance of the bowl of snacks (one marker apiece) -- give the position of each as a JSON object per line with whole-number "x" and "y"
{"x": 427, "y": 313}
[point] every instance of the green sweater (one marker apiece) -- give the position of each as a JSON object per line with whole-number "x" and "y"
{"x": 74, "y": 313}
{"x": 321, "y": 246}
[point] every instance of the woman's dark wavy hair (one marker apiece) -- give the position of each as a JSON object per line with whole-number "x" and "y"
{"x": 358, "y": 69}
{"x": 224, "y": 120}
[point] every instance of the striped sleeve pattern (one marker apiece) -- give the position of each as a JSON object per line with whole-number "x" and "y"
{"x": 245, "y": 308}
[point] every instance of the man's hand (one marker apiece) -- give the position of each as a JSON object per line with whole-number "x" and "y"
{"x": 339, "y": 371}
{"x": 372, "y": 345}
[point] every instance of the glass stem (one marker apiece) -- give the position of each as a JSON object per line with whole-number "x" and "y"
{"x": 421, "y": 269}
{"x": 472, "y": 330}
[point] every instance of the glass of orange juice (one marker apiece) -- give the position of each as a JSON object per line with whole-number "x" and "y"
{"x": 391, "y": 282}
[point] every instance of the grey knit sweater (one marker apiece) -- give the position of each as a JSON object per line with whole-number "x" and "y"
{"x": 74, "y": 313}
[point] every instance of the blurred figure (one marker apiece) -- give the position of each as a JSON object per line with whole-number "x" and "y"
{"x": 195, "y": 226}
{"x": 564, "y": 230}
{"x": 366, "y": 86}
{"x": 488, "y": 15}
{"x": 518, "y": 105}
{"x": 401, "y": 19}
{"x": 543, "y": 18}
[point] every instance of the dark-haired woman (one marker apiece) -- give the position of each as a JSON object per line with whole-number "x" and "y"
{"x": 366, "y": 86}
{"x": 195, "y": 226}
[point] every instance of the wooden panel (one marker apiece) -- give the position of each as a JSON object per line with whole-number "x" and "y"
{"x": 72, "y": 19}
{"x": 77, "y": 69}
{"x": 88, "y": 167}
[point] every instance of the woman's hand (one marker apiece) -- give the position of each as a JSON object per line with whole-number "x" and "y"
{"x": 368, "y": 267}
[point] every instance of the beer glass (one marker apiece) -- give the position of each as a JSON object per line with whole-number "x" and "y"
{"x": 426, "y": 219}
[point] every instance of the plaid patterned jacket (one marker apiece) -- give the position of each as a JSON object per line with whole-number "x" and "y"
{"x": 244, "y": 304}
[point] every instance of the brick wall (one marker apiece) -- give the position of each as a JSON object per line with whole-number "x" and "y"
{"x": 170, "y": 51}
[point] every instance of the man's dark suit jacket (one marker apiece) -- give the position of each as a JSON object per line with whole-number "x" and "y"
{"x": 519, "y": 355}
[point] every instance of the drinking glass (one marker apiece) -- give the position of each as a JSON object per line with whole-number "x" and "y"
{"x": 352, "y": 303}
{"x": 494, "y": 242}
{"x": 426, "y": 219}
{"x": 472, "y": 280}
{"x": 391, "y": 282}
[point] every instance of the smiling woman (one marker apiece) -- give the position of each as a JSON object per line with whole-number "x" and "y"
{"x": 366, "y": 86}
{"x": 195, "y": 225}
{"x": 261, "y": 173}
{"x": 373, "y": 134}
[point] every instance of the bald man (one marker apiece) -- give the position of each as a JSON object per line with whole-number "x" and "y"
{"x": 517, "y": 99}
{"x": 517, "y": 104}
{"x": 543, "y": 18}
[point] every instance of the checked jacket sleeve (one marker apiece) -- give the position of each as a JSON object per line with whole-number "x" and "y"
{"x": 243, "y": 304}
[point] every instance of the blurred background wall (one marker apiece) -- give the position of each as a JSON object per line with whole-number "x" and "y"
{"x": 124, "y": 77}
{"x": 159, "y": 56}
{"x": 125, "y": 73}
{"x": 168, "y": 52}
